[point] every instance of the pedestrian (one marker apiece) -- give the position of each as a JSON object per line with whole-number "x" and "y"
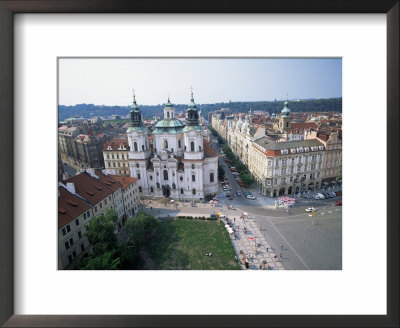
{"x": 234, "y": 219}
{"x": 281, "y": 246}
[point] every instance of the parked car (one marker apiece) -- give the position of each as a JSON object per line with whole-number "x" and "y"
{"x": 321, "y": 196}
{"x": 250, "y": 197}
{"x": 316, "y": 197}
{"x": 338, "y": 193}
{"x": 326, "y": 195}
{"x": 332, "y": 194}
{"x": 338, "y": 203}
{"x": 238, "y": 193}
{"x": 310, "y": 209}
{"x": 246, "y": 193}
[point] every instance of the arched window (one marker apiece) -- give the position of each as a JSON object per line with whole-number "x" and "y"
{"x": 138, "y": 175}
{"x": 142, "y": 147}
{"x": 137, "y": 164}
{"x": 194, "y": 191}
{"x": 193, "y": 177}
{"x": 165, "y": 175}
{"x": 181, "y": 191}
{"x": 158, "y": 185}
{"x": 151, "y": 177}
{"x": 181, "y": 178}
{"x": 140, "y": 189}
{"x": 199, "y": 148}
{"x": 165, "y": 144}
{"x": 211, "y": 177}
{"x": 193, "y": 166}
{"x": 151, "y": 189}
{"x": 168, "y": 114}
{"x": 179, "y": 144}
{"x": 135, "y": 146}
{"x": 191, "y": 146}
{"x": 173, "y": 186}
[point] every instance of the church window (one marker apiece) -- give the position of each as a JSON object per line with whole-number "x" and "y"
{"x": 140, "y": 189}
{"x": 191, "y": 146}
{"x": 165, "y": 144}
{"x": 142, "y": 147}
{"x": 173, "y": 186}
{"x": 138, "y": 175}
{"x": 135, "y": 146}
{"x": 193, "y": 166}
{"x": 194, "y": 191}
{"x": 137, "y": 164}
{"x": 193, "y": 177}
{"x": 179, "y": 144}
{"x": 165, "y": 175}
{"x": 199, "y": 148}
{"x": 151, "y": 177}
{"x": 181, "y": 178}
{"x": 168, "y": 114}
{"x": 181, "y": 191}
{"x": 211, "y": 177}
{"x": 151, "y": 189}
{"x": 158, "y": 185}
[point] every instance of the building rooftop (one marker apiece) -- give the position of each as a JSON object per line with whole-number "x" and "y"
{"x": 70, "y": 207}
{"x": 208, "y": 150}
{"x": 115, "y": 144}
{"x": 89, "y": 188}
{"x": 269, "y": 144}
{"x": 124, "y": 181}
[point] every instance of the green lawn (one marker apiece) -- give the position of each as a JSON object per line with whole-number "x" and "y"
{"x": 182, "y": 244}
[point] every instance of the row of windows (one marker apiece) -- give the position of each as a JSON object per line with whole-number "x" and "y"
{"x": 116, "y": 156}
{"x": 118, "y": 164}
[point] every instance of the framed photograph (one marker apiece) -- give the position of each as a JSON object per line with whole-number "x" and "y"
{"x": 57, "y": 54}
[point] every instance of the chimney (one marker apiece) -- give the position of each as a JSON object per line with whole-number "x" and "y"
{"x": 91, "y": 173}
{"x": 71, "y": 187}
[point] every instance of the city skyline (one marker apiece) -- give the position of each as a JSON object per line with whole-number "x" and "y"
{"x": 110, "y": 81}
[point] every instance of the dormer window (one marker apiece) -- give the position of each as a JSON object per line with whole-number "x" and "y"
{"x": 109, "y": 148}
{"x": 293, "y": 151}
{"x": 306, "y": 149}
{"x": 321, "y": 147}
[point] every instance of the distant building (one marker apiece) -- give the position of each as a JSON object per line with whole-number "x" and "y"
{"x": 115, "y": 154}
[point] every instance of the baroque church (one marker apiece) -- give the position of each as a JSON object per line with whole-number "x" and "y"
{"x": 179, "y": 163}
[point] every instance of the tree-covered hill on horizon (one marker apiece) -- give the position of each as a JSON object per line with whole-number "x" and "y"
{"x": 306, "y": 105}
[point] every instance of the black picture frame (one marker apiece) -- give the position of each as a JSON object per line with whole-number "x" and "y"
{"x": 7, "y": 10}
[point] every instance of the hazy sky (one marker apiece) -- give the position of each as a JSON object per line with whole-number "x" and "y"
{"x": 110, "y": 81}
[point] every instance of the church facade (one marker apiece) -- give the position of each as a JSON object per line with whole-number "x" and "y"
{"x": 179, "y": 163}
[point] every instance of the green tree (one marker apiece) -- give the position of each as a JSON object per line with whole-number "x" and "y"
{"x": 247, "y": 179}
{"x": 221, "y": 172}
{"x": 108, "y": 253}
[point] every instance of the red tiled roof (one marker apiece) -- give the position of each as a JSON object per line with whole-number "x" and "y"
{"x": 124, "y": 181}
{"x": 108, "y": 181}
{"x": 302, "y": 126}
{"x": 116, "y": 143}
{"x": 208, "y": 150}
{"x": 69, "y": 207}
{"x": 89, "y": 188}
